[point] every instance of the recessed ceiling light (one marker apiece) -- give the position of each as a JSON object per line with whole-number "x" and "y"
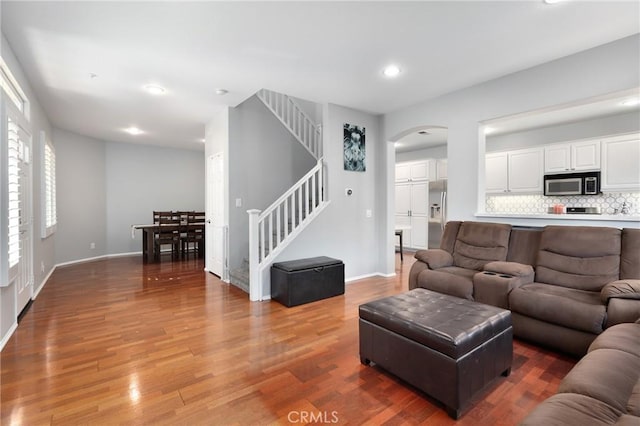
{"x": 631, "y": 102}
{"x": 133, "y": 131}
{"x": 391, "y": 71}
{"x": 154, "y": 89}
{"x": 551, "y": 1}
{"x": 221, "y": 92}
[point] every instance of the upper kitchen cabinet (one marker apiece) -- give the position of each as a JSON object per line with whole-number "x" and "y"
{"x": 441, "y": 169}
{"x": 621, "y": 163}
{"x": 518, "y": 171}
{"x": 572, "y": 157}
{"x": 411, "y": 172}
{"x": 438, "y": 169}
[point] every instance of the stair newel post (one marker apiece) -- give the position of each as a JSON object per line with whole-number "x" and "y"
{"x": 255, "y": 287}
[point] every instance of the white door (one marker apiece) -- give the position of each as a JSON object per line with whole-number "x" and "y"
{"x": 24, "y": 280}
{"x": 20, "y": 224}
{"x": 216, "y": 231}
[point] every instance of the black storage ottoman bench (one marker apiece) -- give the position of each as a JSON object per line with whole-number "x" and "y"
{"x": 296, "y": 282}
{"x": 447, "y": 347}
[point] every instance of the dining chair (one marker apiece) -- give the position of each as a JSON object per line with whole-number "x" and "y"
{"x": 193, "y": 240}
{"x": 168, "y": 234}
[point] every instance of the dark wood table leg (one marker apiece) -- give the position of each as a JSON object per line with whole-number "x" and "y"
{"x": 399, "y": 234}
{"x": 147, "y": 245}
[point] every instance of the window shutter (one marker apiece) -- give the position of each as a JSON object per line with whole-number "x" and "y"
{"x": 48, "y": 200}
{"x": 13, "y": 183}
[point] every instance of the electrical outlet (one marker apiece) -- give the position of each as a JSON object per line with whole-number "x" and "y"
{"x": 369, "y": 213}
{"x": 92, "y": 246}
{"x": 42, "y": 266}
{"x": 238, "y": 202}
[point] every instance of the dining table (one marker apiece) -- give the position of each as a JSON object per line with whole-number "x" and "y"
{"x": 149, "y": 231}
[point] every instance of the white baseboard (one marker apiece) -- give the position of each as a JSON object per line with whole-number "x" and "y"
{"x": 44, "y": 281}
{"x": 104, "y": 256}
{"x": 7, "y": 336}
{"x": 374, "y": 274}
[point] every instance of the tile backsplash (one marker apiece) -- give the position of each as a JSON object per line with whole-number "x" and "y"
{"x": 539, "y": 204}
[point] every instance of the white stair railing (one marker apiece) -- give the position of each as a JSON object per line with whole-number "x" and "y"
{"x": 295, "y": 120}
{"x": 273, "y": 229}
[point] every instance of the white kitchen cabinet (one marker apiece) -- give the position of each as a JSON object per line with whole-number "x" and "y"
{"x": 414, "y": 171}
{"x": 441, "y": 169}
{"x": 572, "y": 157}
{"x": 518, "y": 171}
{"x": 412, "y": 206}
{"x": 497, "y": 175}
{"x": 621, "y": 163}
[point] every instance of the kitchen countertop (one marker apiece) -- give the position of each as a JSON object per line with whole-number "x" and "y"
{"x": 618, "y": 220}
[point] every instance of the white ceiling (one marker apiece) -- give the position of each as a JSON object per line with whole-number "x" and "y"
{"x": 320, "y": 51}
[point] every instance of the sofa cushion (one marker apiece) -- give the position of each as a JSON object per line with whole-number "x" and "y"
{"x": 607, "y": 375}
{"x": 434, "y": 258}
{"x": 627, "y": 420}
{"x": 621, "y": 289}
{"x": 451, "y": 280}
{"x": 623, "y": 337}
{"x": 478, "y": 243}
{"x": 567, "y": 307}
{"x": 572, "y": 409}
{"x": 629, "y": 265}
{"x": 580, "y": 257}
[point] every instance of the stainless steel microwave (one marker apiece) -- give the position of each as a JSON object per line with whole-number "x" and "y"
{"x": 587, "y": 183}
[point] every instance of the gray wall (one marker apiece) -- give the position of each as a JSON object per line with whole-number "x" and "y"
{"x": 141, "y": 179}
{"x": 105, "y": 187}
{"x": 265, "y": 160}
{"x": 421, "y": 154}
{"x": 602, "y": 126}
{"x": 43, "y": 249}
{"x": 342, "y": 230}
{"x": 81, "y": 197}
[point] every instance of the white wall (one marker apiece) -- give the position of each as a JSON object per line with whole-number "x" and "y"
{"x": 264, "y": 161}
{"x": 606, "y": 69}
{"x": 43, "y": 249}
{"x": 342, "y": 230}
{"x": 81, "y": 196}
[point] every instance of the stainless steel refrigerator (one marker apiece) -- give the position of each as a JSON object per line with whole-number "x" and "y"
{"x": 437, "y": 211}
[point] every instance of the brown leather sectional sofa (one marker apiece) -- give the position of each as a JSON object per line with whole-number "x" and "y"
{"x": 602, "y": 389}
{"x": 563, "y": 284}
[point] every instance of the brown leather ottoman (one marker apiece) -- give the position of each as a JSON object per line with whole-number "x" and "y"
{"x": 448, "y": 347}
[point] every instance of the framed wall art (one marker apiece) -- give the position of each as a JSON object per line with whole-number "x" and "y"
{"x": 354, "y": 148}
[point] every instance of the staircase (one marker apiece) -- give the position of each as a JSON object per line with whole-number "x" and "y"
{"x": 295, "y": 120}
{"x": 273, "y": 229}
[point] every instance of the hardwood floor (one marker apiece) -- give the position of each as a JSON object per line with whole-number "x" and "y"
{"x": 118, "y": 342}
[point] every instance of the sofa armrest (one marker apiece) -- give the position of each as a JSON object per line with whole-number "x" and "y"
{"x": 435, "y": 258}
{"x": 509, "y": 268}
{"x": 621, "y": 289}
